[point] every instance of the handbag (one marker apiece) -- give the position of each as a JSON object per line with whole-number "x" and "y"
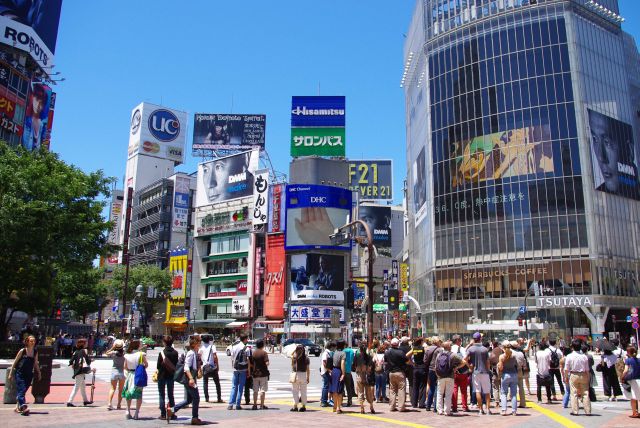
{"x": 179, "y": 375}
{"x": 600, "y": 366}
{"x": 154, "y": 376}
{"x": 140, "y": 376}
{"x": 293, "y": 376}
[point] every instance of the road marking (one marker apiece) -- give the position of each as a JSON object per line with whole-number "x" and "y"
{"x": 361, "y": 416}
{"x": 566, "y": 422}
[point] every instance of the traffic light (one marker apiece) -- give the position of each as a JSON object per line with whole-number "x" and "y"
{"x": 350, "y": 298}
{"x": 519, "y": 322}
{"x": 393, "y": 299}
{"x": 613, "y": 318}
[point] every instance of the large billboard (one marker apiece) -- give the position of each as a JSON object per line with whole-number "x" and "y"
{"x": 228, "y": 132}
{"x": 315, "y": 313}
{"x": 180, "y": 205}
{"x": 260, "y": 196}
{"x": 275, "y": 277}
{"x": 178, "y": 268}
{"x": 318, "y": 126}
{"x": 313, "y": 214}
{"x": 372, "y": 179}
{"x": 158, "y": 131}
{"x": 36, "y": 118}
{"x": 513, "y": 153}
{"x": 276, "y": 208}
{"x": 378, "y": 218}
{"x": 419, "y": 177}
{"x": 317, "y": 277}
{"x": 31, "y": 26}
{"x": 614, "y": 156}
{"x": 226, "y": 178}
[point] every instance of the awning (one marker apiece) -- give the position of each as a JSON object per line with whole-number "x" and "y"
{"x": 266, "y": 321}
{"x": 237, "y": 324}
{"x": 175, "y": 321}
{"x": 218, "y": 321}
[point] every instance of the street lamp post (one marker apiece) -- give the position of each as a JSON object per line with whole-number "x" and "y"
{"x": 345, "y": 233}
{"x": 139, "y": 292}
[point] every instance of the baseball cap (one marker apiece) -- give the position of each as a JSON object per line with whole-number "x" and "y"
{"x": 394, "y": 341}
{"x": 404, "y": 339}
{"x": 477, "y": 336}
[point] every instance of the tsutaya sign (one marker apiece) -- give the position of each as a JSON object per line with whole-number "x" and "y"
{"x": 564, "y": 302}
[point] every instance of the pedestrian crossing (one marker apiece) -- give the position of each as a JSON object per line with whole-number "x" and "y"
{"x": 278, "y": 389}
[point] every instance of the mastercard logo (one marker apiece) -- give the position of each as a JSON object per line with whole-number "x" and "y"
{"x": 150, "y": 147}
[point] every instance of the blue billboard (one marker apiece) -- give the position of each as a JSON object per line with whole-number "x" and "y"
{"x": 319, "y": 111}
{"x": 313, "y": 212}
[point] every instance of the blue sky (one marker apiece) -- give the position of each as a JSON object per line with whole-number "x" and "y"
{"x": 240, "y": 56}
{"x": 210, "y": 56}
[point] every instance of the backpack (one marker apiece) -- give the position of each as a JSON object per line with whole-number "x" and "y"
{"x": 329, "y": 362}
{"x": 241, "y": 362}
{"x": 379, "y": 366}
{"x": 443, "y": 364}
{"x": 555, "y": 360}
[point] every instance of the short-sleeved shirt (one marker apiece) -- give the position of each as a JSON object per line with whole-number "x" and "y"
{"x": 131, "y": 360}
{"x": 338, "y": 356}
{"x": 430, "y": 356}
{"x": 260, "y": 360}
{"x": 455, "y": 362}
{"x": 543, "y": 361}
{"x": 207, "y": 353}
{"x": 478, "y": 356}
{"x": 576, "y": 362}
{"x": 396, "y": 360}
{"x": 418, "y": 356}
{"x": 323, "y": 359}
{"x": 237, "y": 348}
{"x": 634, "y": 363}
{"x": 348, "y": 359}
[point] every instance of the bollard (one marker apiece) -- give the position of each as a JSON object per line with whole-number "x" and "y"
{"x": 41, "y": 388}
{"x": 10, "y": 390}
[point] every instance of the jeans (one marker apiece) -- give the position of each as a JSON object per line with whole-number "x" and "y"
{"x": 161, "y": 387}
{"x": 418, "y": 394}
{"x": 509, "y": 385}
{"x": 193, "y": 398}
{"x": 216, "y": 380}
{"x": 433, "y": 386}
{"x": 381, "y": 386}
{"x": 567, "y": 395}
{"x": 237, "y": 388}
{"x": 22, "y": 385}
{"x": 326, "y": 380}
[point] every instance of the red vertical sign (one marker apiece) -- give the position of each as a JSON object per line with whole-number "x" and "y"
{"x": 274, "y": 288}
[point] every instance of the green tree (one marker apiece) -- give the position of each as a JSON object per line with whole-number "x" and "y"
{"x": 84, "y": 291}
{"x": 147, "y": 276}
{"x": 50, "y": 222}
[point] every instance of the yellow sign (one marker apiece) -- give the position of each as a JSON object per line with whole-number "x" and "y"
{"x": 178, "y": 266}
{"x": 404, "y": 277}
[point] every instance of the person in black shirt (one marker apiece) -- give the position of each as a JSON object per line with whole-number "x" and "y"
{"x": 418, "y": 393}
{"x": 166, "y": 370}
{"x": 396, "y": 361}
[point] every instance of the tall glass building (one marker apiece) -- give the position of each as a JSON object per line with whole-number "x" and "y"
{"x": 523, "y": 123}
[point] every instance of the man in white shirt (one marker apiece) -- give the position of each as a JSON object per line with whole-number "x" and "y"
{"x": 241, "y": 363}
{"x": 326, "y": 376}
{"x": 210, "y": 367}
{"x": 576, "y": 370}
{"x": 543, "y": 378}
{"x": 554, "y": 369}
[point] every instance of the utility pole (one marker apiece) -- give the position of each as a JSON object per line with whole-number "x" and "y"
{"x": 125, "y": 256}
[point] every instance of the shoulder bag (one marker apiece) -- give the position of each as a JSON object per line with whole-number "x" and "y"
{"x": 140, "y": 376}
{"x": 208, "y": 369}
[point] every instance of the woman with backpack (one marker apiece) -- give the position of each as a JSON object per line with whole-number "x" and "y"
{"x": 166, "y": 367}
{"x": 80, "y": 361}
{"x": 117, "y": 372}
{"x": 508, "y": 371}
{"x": 299, "y": 378}
{"x": 381, "y": 377}
{"x": 365, "y": 376}
{"x": 133, "y": 389}
{"x": 631, "y": 376}
{"x": 24, "y": 366}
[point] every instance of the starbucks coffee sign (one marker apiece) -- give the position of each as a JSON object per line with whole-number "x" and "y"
{"x": 564, "y": 301}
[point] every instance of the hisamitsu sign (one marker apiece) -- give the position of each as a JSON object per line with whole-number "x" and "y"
{"x": 564, "y": 301}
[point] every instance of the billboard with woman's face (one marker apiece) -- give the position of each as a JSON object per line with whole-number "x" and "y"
{"x": 226, "y": 178}
{"x": 36, "y": 116}
{"x": 613, "y": 156}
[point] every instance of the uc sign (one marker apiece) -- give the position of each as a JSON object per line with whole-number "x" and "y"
{"x": 164, "y": 125}
{"x": 372, "y": 179}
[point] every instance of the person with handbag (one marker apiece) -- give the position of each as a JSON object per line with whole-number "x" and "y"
{"x": 365, "y": 376}
{"x": 135, "y": 362}
{"x": 117, "y": 372}
{"x": 23, "y": 368}
{"x": 165, "y": 369}
{"x": 188, "y": 373}
{"x": 299, "y": 378}
{"x": 80, "y": 361}
{"x": 210, "y": 366}
{"x": 630, "y": 379}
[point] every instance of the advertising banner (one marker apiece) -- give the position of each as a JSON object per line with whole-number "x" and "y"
{"x": 230, "y": 132}
{"x": 4, "y": 75}
{"x": 31, "y": 26}
{"x": 226, "y": 178}
{"x": 314, "y": 313}
{"x": 116, "y": 217}
{"x": 275, "y": 278}
{"x": 180, "y": 205}
{"x": 178, "y": 267}
{"x": 404, "y": 277}
{"x": 419, "y": 178}
{"x": 378, "y": 219}
{"x": 313, "y": 213}
{"x": 318, "y": 111}
{"x": 240, "y": 307}
{"x": 318, "y": 142}
{"x": 260, "y": 195}
{"x": 212, "y": 221}
{"x": 158, "y": 131}
{"x": 36, "y": 116}
{"x": 317, "y": 277}
{"x": 7, "y": 107}
{"x": 614, "y": 156}
{"x": 276, "y": 208}
{"x": 372, "y": 179}
{"x": 46, "y": 141}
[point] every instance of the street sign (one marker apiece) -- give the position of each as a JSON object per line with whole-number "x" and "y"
{"x": 523, "y": 310}
{"x": 635, "y": 325}
{"x": 634, "y": 310}
{"x": 628, "y": 318}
